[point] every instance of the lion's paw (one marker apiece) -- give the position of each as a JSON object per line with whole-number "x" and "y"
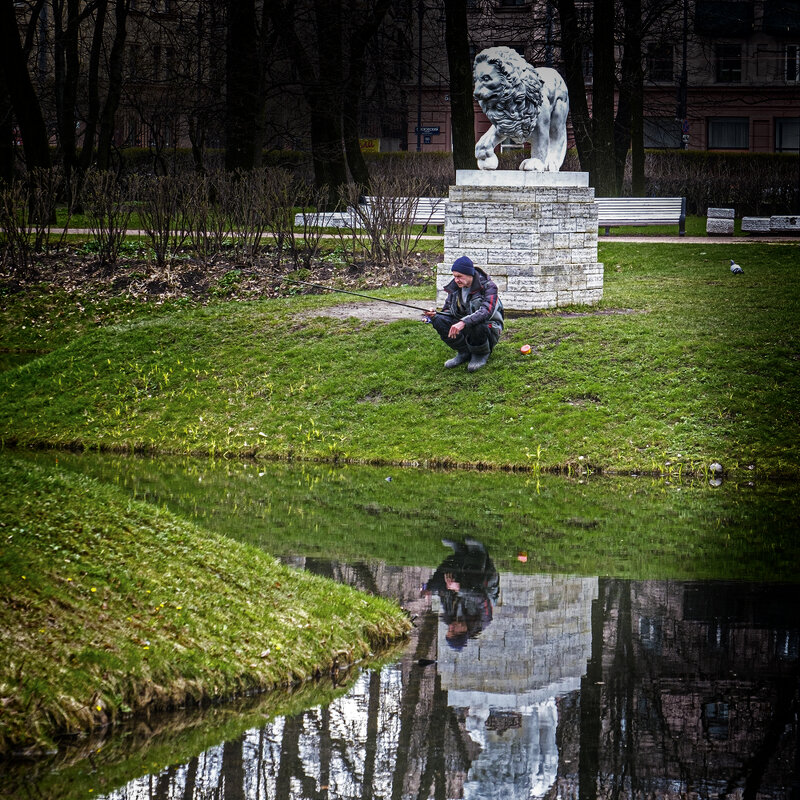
{"x": 490, "y": 162}
{"x": 533, "y": 165}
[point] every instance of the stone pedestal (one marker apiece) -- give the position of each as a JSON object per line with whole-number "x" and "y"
{"x": 535, "y": 233}
{"x": 720, "y": 221}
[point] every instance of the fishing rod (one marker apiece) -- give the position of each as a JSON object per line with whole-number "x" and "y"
{"x": 357, "y": 294}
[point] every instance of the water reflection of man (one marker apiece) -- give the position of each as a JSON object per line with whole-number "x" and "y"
{"x": 468, "y": 585}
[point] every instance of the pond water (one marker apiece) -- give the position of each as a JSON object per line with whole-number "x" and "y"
{"x": 583, "y": 638}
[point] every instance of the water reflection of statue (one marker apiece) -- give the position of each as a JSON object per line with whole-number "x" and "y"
{"x": 468, "y": 585}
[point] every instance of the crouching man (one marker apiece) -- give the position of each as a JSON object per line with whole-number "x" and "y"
{"x": 472, "y": 318}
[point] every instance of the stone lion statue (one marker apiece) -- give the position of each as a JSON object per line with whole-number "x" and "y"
{"x": 524, "y": 105}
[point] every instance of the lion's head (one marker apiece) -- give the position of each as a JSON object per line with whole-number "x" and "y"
{"x": 508, "y": 90}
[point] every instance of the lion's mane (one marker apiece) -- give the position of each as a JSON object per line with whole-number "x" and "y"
{"x": 515, "y": 111}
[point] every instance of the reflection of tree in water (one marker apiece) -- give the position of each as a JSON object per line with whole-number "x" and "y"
{"x": 668, "y": 703}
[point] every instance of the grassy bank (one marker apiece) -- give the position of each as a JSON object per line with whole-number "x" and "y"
{"x": 110, "y": 606}
{"x": 682, "y": 365}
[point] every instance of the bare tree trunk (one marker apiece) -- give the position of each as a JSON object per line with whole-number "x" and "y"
{"x": 462, "y": 109}
{"x": 93, "y": 88}
{"x": 572, "y": 44}
{"x": 233, "y": 769}
{"x": 242, "y": 101}
{"x": 591, "y": 709}
{"x": 371, "y": 744}
{"x": 26, "y": 106}
{"x": 603, "y": 173}
{"x": 6, "y": 133}
{"x": 634, "y": 76}
{"x": 630, "y": 107}
{"x": 105, "y": 137}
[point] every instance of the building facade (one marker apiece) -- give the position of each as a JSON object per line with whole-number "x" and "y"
{"x": 717, "y": 75}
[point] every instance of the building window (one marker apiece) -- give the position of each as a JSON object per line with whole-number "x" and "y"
{"x": 728, "y": 133}
{"x": 659, "y": 63}
{"x": 729, "y": 63}
{"x": 588, "y": 63}
{"x": 792, "y": 63}
{"x": 662, "y": 133}
{"x": 787, "y": 135}
{"x": 503, "y": 5}
{"x": 169, "y": 63}
{"x": 717, "y": 18}
{"x": 134, "y": 61}
{"x": 716, "y": 719}
{"x": 156, "y": 62}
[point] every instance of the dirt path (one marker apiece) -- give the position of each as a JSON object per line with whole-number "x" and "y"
{"x": 375, "y": 312}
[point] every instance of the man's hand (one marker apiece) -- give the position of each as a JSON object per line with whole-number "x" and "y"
{"x": 430, "y": 313}
{"x": 455, "y": 329}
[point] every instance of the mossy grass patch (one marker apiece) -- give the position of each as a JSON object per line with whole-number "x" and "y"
{"x": 110, "y": 606}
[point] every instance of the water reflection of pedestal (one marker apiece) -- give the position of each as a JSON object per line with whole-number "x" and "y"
{"x": 507, "y": 679}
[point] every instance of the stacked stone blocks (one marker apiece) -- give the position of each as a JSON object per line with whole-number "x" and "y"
{"x": 534, "y": 233}
{"x": 719, "y": 221}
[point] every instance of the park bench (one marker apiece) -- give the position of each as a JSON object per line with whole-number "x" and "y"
{"x": 428, "y": 211}
{"x": 638, "y": 211}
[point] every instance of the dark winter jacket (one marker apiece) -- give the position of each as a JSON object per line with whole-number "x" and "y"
{"x": 483, "y": 304}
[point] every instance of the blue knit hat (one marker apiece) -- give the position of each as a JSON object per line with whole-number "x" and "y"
{"x": 463, "y": 265}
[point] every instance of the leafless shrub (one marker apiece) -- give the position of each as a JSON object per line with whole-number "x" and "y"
{"x": 46, "y": 186}
{"x": 108, "y": 211}
{"x": 280, "y": 200}
{"x": 27, "y": 211}
{"x": 248, "y": 208}
{"x": 386, "y": 228}
{"x": 309, "y": 197}
{"x": 292, "y": 199}
{"x": 207, "y": 225}
{"x": 751, "y": 183}
{"x": 432, "y": 172}
{"x": 15, "y": 237}
{"x": 162, "y": 204}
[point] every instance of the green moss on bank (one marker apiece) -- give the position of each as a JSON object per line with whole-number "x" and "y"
{"x": 110, "y": 605}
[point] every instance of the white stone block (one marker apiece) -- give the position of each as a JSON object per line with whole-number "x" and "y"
{"x": 518, "y": 177}
{"x": 755, "y": 224}
{"x": 720, "y": 213}
{"x": 785, "y": 224}
{"x": 457, "y": 224}
{"x": 485, "y": 239}
{"x": 514, "y": 224}
{"x": 488, "y": 210}
{"x": 526, "y": 241}
{"x": 719, "y": 227}
{"x": 508, "y": 256}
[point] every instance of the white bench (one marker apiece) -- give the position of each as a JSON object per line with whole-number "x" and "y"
{"x": 426, "y": 211}
{"x": 637, "y": 211}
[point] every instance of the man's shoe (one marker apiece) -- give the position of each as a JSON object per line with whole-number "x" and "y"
{"x": 459, "y": 358}
{"x": 477, "y": 361}
{"x": 479, "y": 356}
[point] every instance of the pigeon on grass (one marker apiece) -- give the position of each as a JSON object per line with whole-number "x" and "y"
{"x": 736, "y": 269}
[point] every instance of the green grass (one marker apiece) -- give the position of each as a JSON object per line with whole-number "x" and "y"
{"x": 110, "y": 606}
{"x": 689, "y": 365}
